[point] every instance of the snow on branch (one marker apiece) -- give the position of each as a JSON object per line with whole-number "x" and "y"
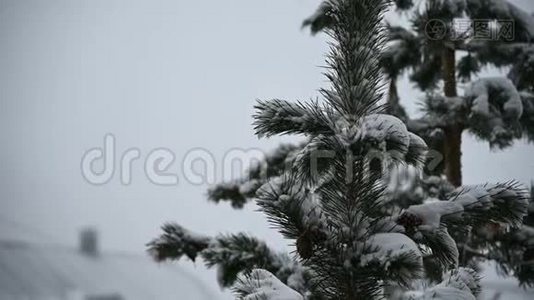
{"x": 458, "y": 284}
{"x": 282, "y": 117}
{"x": 322, "y": 19}
{"x": 239, "y": 192}
{"x": 236, "y": 192}
{"x": 378, "y": 131}
{"x": 175, "y": 242}
{"x": 472, "y": 205}
{"x": 502, "y": 202}
{"x": 397, "y": 255}
{"x": 312, "y": 161}
{"x": 235, "y": 253}
{"x": 488, "y": 94}
{"x": 291, "y": 208}
{"x": 443, "y": 246}
{"x": 230, "y": 254}
{"x": 388, "y": 133}
{"x": 403, "y": 50}
{"x": 260, "y": 284}
{"x": 428, "y": 216}
{"x": 417, "y": 150}
{"x": 495, "y": 110}
{"x": 375, "y": 134}
{"x": 353, "y": 66}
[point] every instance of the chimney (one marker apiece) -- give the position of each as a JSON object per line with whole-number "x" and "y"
{"x": 89, "y": 242}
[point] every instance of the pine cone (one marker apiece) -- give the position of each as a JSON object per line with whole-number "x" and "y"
{"x": 305, "y": 245}
{"x": 409, "y": 221}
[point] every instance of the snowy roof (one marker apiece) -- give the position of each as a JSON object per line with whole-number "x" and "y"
{"x": 29, "y": 271}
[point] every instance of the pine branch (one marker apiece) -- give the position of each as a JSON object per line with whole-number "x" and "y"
{"x": 243, "y": 190}
{"x": 468, "y": 206}
{"x": 282, "y": 117}
{"x": 502, "y": 202}
{"x": 237, "y": 193}
{"x": 231, "y": 255}
{"x": 289, "y": 207}
{"x": 396, "y": 255}
{"x": 176, "y": 242}
{"x": 458, "y": 284}
{"x": 402, "y": 52}
{"x": 321, "y": 19}
{"x": 495, "y": 108}
{"x": 235, "y": 253}
{"x": 260, "y": 284}
{"x": 353, "y": 64}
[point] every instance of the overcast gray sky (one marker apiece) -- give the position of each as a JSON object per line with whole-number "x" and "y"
{"x": 173, "y": 74}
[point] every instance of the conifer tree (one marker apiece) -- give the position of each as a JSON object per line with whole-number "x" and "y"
{"x": 490, "y": 33}
{"x": 352, "y": 239}
{"x": 497, "y": 110}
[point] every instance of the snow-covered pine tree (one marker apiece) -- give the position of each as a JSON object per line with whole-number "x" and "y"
{"x": 409, "y": 50}
{"x": 331, "y": 202}
{"x": 490, "y": 108}
{"x": 496, "y": 110}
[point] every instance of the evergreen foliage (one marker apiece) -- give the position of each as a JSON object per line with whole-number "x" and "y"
{"x": 496, "y": 110}
{"x": 354, "y": 237}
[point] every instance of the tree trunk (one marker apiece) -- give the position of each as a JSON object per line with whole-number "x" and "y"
{"x": 393, "y": 104}
{"x": 452, "y": 146}
{"x": 393, "y": 95}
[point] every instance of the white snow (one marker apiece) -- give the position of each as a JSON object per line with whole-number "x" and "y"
{"x": 261, "y": 284}
{"x": 382, "y": 127}
{"x": 431, "y": 212}
{"x": 463, "y": 278}
{"x": 390, "y": 246}
{"x": 482, "y": 104}
{"x": 416, "y": 141}
{"x": 417, "y": 148}
{"x": 458, "y": 284}
{"x": 475, "y": 196}
{"x": 403, "y": 179}
{"x": 441, "y": 292}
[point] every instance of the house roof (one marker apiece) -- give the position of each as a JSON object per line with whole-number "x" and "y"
{"x": 53, "y": 272}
